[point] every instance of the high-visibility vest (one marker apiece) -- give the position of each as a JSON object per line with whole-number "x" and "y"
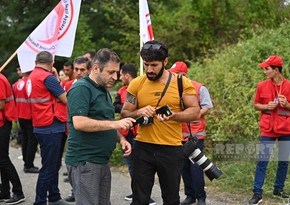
{"x": 9, "y": 112}
{"x": 197, "y": 127}
{"x": 277, "y": 120}
{"x": 21, "y": 99}
{"x": 44, "y": 105}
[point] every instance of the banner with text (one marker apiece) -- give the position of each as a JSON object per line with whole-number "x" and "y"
{"x": 56, "y": 34}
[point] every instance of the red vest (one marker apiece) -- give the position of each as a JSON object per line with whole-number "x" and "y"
{"x": 9, "y": 111}
{"x": 278, "y": 120}
{"x": 123, "y": 92}
{"x": 44, "y": 105}
{"x": 21, "y": 99}
{"x": 197, "y": 127}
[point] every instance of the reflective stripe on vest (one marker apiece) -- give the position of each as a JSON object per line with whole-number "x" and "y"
{"x": 283, "y": 112}
{"x": 39, "y": 100}
{"x": 22, "y": 100}
{"x": 9, "y": 98}
{"x": 186, "y": 134}
{"x": 280, "y": 112}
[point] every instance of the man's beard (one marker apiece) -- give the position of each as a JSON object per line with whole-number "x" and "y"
{"x": 157, "y": 76}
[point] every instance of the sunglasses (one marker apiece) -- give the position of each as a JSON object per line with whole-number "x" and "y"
{"x": 153, "y": 46}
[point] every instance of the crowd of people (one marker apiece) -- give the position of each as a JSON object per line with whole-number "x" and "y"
{"x": 73, "y": 108}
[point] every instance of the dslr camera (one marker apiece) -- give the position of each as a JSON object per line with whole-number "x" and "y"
{"x": 195, "y": 155}
{"x": 164, "y": 110}
{"x": 143, "y": 121}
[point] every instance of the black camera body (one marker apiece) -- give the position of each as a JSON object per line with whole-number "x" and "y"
{"x": 195, "y": 155}
{"x": 164, "y": 110}
{"x": 143, "y": 121}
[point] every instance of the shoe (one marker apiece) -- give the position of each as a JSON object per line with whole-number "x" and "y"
{"x": 70, "y": 198}
{"x": 129, "y": 197}
{"x": 256, "y": 199}
{"x": 152, "y": 202}
{"x": 188, "y": 200}
{"x": 66, "y": 180}
{"x": 280, "y": 193}
{"x": 4, "y": 197}
{"x": 33, "y": 170}
{"x": 65, "y": 174}
{"x": 16, "y": 199}
{"x": 59, "y": 202}
{"x": 201, "y": 201}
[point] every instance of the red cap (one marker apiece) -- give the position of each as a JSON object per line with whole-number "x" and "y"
{"x": 272, "y": 61}
{"x": 179, "y": 67}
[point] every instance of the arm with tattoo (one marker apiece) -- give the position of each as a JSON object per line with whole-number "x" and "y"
{"x": 130, "y": 106}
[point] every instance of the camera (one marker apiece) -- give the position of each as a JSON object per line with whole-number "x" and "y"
{"x": 195, "y": 155}
{"x": 143, "y": 121}
{"x": 164, "y": 110}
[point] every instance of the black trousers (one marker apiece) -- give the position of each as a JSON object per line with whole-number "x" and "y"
{"x": 7, "y": 169}
{"x": 166, "y": 161}
{"x": 29, "y": 142}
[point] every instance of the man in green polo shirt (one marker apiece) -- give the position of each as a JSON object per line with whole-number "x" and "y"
{"x": 93, "y": 131}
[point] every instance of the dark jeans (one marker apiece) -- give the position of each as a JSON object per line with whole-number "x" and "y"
{"x": 166, "y": 161}
{"x": 266, "y": 148}
{"x": 29, "y": 142}
{"x": 7, "y": 169}
{"x": 48, "y": 175}
{"x": 193, "y": 177}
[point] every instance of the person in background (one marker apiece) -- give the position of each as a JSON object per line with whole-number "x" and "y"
{"x": 82, "y": 67}
{"x": 8, "y": 113}
{"x": 127, "y": 73}
{"x": 29, "y": 141}
{"x": 192, "y": 174}
{"x": 63, "y": 78}
{"x": 68, "y": 68}
{"x": 19, "y": 72}
{"x": 158, "y": 145}
{"x": 49, "y": 117}
{"x": 89, "y": 54}
{"x": 93, "y": 131}
{"x": 272, "y": 100}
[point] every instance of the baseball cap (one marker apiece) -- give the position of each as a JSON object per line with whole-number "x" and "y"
{"x": 272, "y": 61}
{"x": 179, "y": 67}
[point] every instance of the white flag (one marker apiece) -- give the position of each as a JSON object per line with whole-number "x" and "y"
{"x": 146, "y": 30}
{"x": 56, "y": 34}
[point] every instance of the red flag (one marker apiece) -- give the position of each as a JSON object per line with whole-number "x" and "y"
{"x": 146, "y": 30}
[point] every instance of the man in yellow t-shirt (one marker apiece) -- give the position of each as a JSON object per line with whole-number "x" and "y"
{"x": 158, "y": 146}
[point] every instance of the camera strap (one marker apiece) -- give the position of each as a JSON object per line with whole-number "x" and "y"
{"x": 165, "y": 88}
{"x": 180, "y": 91}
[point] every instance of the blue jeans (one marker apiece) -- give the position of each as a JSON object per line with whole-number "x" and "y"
{"x": 48, "y": 175}
{"x": 266, "y": 148}
{"x": 193, "y": 177}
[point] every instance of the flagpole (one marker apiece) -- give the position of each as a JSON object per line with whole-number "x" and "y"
{"x": 141, "y": 60}
{"x": 8, "y": 61}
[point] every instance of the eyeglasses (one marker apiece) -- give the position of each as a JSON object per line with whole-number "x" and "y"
{"x": 153, "y": 46}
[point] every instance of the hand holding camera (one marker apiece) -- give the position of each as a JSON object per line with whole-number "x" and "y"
{"x": 142, "y": 120}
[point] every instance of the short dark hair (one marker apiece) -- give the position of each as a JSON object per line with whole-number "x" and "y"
{"x": 81, "y": 60}
{"x": 154, "y": 51}
{"x": 91, "y": 53}
{"x": 44, "y": 57}
{"x": 69, "y": 64}
{"x": 279, "y": 67}
{"x": 104, "y": 56}
{"x": 129, "y": 68}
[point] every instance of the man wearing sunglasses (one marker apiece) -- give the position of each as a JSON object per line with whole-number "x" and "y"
{"x": 158, "y": 145}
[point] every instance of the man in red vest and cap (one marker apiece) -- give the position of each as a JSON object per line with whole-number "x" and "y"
{"x": 192, "y": 174}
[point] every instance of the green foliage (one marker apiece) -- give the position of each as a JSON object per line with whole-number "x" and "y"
{"x": 117, "y": 157}
{"x": 231, "y": 77}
